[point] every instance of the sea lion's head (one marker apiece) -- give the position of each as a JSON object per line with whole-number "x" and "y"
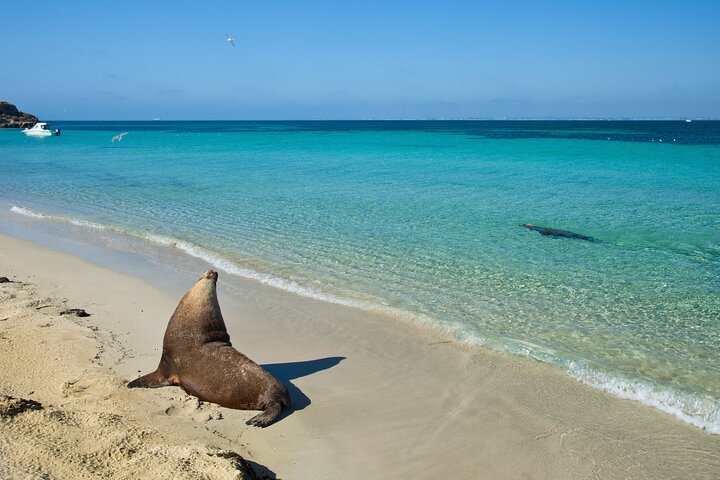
{"x": 206, "y": 282}
{"x": 211, "y": 275}
{"x": 204, "y": 287}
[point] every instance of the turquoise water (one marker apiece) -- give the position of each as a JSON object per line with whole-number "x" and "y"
{"x": 421, "y": 220}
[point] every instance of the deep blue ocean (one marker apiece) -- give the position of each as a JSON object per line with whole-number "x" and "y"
{"x": 421, "y": 220}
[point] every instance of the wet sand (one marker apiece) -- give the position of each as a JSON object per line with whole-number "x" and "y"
{"x": 373, "y": 397}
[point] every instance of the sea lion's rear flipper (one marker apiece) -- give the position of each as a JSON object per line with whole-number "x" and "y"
{"x": 266, "y": 418}
{"x": 151, "y": 380}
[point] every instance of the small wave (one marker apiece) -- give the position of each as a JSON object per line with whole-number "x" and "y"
{"x": 702, "y": 412}
{"x": 74, "y": 221}
{"x": 86, "y": 224}
{"x": 26, "y": 211}
{"x": 222, "y": 263}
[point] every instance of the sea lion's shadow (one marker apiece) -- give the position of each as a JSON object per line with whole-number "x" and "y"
{"x": 261, "y": 471}
{"x": 292, "y": 370}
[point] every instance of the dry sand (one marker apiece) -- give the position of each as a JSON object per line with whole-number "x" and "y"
{"x": 65, "y": 414}
{"x": 374, "y": 397}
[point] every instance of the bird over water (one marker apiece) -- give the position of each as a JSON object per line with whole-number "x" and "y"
{"x": 118, "y": 137}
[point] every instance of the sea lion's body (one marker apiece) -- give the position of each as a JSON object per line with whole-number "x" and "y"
{"x": 555, "y": 232}
{"x": 198, "y": 356}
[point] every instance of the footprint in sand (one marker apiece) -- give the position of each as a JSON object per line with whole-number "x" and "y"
{"x": 39, "y": 442}
{"x": 194, "y": 408}
{"x": 93, "y": 386}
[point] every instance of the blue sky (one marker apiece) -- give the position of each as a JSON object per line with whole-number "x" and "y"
{"x": 358, "y": 60}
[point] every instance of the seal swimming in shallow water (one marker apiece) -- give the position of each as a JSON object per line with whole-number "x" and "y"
{"x": 197, "y": 355}
{"x": 556, "y": 233}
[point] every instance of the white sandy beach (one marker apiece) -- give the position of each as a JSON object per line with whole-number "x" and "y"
{"x": 373, "y": 397}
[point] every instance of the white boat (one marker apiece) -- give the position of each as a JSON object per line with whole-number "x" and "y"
{"x": 40, "y": 129}
{"x": 687, "y": 120}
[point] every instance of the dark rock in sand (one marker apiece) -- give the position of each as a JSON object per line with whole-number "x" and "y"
{"x": 5, "y": 280}
{"x": 78, "y": 312}
{"x": 11, "y": 117}
{"x": 11, "y": 406}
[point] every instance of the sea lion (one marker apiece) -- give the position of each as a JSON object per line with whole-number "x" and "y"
{"x": 197, "y": 355}
{"x": 556, "y": 233}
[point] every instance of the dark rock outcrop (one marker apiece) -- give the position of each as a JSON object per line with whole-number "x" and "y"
{"x": 11, "y": 117}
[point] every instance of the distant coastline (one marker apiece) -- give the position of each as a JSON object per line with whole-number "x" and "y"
{"x": 11, "y": 117}
{"x": 441, "y": 119}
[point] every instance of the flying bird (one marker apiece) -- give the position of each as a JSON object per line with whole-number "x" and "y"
{"x": 119, "y": 137}
{"x": 230, "y": 40}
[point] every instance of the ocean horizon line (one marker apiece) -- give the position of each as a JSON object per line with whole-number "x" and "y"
{"x": 479, "y": 119}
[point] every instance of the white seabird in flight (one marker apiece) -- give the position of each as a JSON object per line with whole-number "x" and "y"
{"x": 118, "y": 137}
{"x": 230, "y": 40}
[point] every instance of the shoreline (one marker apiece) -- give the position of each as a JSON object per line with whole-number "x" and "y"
{"x": 692, "y": 408}
{"x": 376, "y": 398}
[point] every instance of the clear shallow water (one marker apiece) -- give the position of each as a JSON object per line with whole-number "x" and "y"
{"x": 421, "y": 220}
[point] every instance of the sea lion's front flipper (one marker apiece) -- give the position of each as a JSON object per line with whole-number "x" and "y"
{"x": 264, "y": 419}
{"x": 162, "y": 377}
{"x": 151, "y": 380}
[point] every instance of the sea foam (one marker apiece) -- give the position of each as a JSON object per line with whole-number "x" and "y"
{"x": 702, "y": 412}
{"x": 26, "y": 212}
{"x": 58, "y": 218}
